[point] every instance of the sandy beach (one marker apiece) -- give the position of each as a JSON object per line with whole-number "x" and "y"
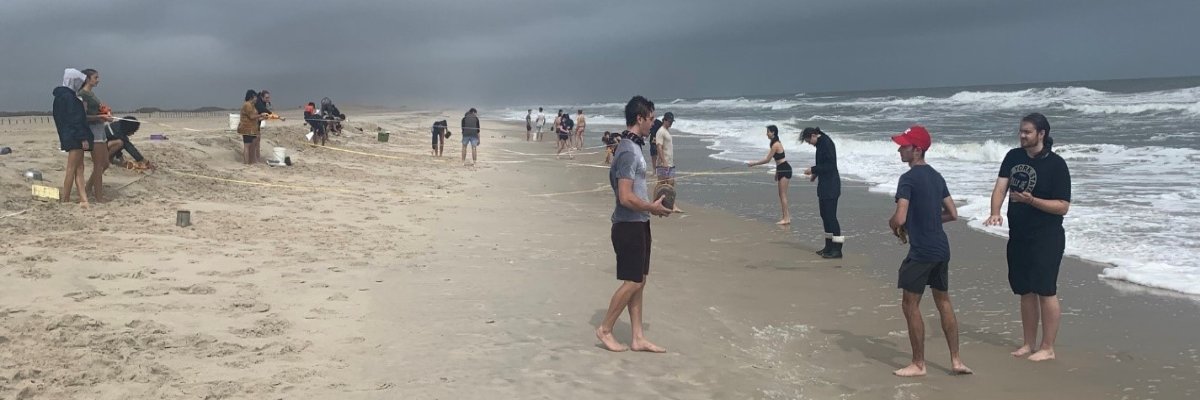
{"x": 375, "y": 271}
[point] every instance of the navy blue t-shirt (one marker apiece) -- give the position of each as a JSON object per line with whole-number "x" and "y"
{"x": 924, "y": 188}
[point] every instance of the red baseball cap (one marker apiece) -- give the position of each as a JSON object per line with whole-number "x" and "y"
{"x": 915, "y": 136}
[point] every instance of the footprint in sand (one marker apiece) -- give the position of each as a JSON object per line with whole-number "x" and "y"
{"x": 82, "y": 296}
{"x": 272, "y": 325}
{"x": 338, "y": 297}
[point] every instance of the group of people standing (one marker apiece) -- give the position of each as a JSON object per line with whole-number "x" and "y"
{"x": 1035, "y": 180}
{"x": 86, "y": 125}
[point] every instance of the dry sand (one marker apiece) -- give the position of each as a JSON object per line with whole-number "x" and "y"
{"x": 401, "y": 276}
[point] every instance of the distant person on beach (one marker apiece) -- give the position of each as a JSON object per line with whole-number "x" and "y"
{"x": 829, "y": 189}
{"x": 470, "y": 134}
{"x": 320, "y": 128}
{"x": 249, "y": 129}
{"x": 783, "y": 171}
{"x": 666, "y": 154}
{"x": 923, "y": 204}
{"x": 263, "y": 105}
{"x": 441, "y": 131}
{"x": 1037, "y": 183}
{"x": 654, "y": 143}
{"x": 610, "y": 146}
{"x": 541, "y": 123}
{"x": 565, "y": 126}
{"x": 98, "y": 117}
{"x": 580, "y": 127}
{"x": 631, "y": 229}
{"x": 557, "y": 121}
{"x": 529, "y": 125}
{"x": 74, "y": 136}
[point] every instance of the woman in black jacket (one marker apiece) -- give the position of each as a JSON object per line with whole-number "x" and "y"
{"x": 829, "y": 188}
{"x": 74, "y": 136}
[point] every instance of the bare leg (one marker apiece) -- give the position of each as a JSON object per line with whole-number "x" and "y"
{"x": 783, "y": 201}
{"x": 1029, "y": 324}
{"x": 257, "y": 149}
{"x": 911, "y": 305}
{"x": 246, "y": 149}
{"x": 473, "y": 158}
{"x": 95, "y": 183}
{"x": 1051, "y": 316}
{"x": 620, "y": 299}
{"x": 635, "y": 319}
{"x": 464, "y": 154}
{"x": 950, "y": 329}
{"x": 73, "y": 177}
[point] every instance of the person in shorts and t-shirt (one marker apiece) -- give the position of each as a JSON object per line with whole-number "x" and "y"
{"x": 470, "y": 133}
{"x": 631, "y": 228}
{"x": 923, "y": 204}
{"x": 1038, "y": 186}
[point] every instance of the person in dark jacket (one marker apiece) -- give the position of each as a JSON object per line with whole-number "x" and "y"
{"x": 74, "y": 136}
{"x": 829, "y": 188}
{"x": 440, "y": 131}
{"x": 118, "y": 140}
{"x": 470, "y": 133}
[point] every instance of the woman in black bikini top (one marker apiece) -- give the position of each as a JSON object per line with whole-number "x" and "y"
{"x": 783, "y": 170}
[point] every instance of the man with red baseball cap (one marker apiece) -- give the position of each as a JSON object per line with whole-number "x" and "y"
{"x": 923, "y": 204}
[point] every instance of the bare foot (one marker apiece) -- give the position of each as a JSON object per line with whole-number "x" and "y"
{"x": 784, "y": 222}
{"x": 1042, "y": 355}
{"x": 912, "y": 370}
{"x": 84, "y": 204}
{"x": 645, "y": 345}
{"x": 959, "y": 368}
{"x": 610, "y": 343}
{"x": 677, "y": 210}
{"x": 1022, "y": 351}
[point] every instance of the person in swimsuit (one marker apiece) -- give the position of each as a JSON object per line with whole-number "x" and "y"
{"x": 783, "y": 171}
{"x": 580, "y": 126}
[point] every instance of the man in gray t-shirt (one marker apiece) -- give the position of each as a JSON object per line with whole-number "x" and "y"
{"x": 631, "y": 228}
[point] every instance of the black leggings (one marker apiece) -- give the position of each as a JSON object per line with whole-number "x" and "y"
{"x": 829, "y": 216}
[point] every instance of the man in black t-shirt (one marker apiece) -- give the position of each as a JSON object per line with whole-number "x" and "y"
{"x": 923, "y": 204}
{"x": 1038, "y": 186}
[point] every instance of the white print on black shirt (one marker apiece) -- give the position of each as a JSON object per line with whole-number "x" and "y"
{"x": 1023, "y": 178}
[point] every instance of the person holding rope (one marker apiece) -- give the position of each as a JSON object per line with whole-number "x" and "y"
{"x": 1037, "y": 183}
{"x": 74, "y": 137}
{"x": 829, "y": 188}
{"x": 98, "y": 117}
{"x": 118, "y": 140}
{"x": 565, "y": 127}
{"x": 631, "y": 229}
{"x": 249, "y": 129}
{"x": 923, "y": 204}
{"x": 783, "y": 171}
{"x": 666, "y": 155}
{"x": 318, "y": 124}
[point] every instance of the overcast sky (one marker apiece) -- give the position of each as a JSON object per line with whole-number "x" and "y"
{"x": 517, "y": 52}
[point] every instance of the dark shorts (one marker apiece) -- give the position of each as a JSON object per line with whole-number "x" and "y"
{"x": 916, "y": 275}
{"x": 562, "y": 136}
{"x": 653, "y": 149}
{"x": 437, "y": 138}
{"x": 783, "y": 171}
{"x": 631, "y": 242}
{"x": 247, "y": 139}
{"x": 68, "y": 145}
{"x": 1033, "y": 261}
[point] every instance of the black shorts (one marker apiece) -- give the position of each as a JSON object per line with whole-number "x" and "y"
{"x": 437, "y": 139}
{"x": 562, "y": 136}
{"x": 69, "y": 145}
{"x": 653, "y": 150}
{"x": 1033, "y": 261}
{"x": 631, "y": 242}
{"x": 247, "y": 139}
{"x": 783, "y": 170}
{"x": 916, "y": 275}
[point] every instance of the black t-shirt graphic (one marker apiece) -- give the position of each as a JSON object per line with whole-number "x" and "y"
{"x": 1046, "y": 177}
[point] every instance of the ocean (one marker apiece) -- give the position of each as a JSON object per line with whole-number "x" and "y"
{"x": 1133, "y": 147}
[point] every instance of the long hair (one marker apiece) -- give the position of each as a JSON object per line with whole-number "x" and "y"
{"x": 1040, "y": 124}
{"x": 774, "y": 130}
{"x": 251, "y": 95}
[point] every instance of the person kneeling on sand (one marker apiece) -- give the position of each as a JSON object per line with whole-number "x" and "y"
{"x": 118, "y": 142}
{"x": 923, "y": 204}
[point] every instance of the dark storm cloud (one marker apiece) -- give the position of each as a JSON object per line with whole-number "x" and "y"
{"x": 189, "y": 54}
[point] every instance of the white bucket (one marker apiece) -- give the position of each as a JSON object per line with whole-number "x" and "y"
{"x": 280, "y": 154}
{"x": 234, "y": 119}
